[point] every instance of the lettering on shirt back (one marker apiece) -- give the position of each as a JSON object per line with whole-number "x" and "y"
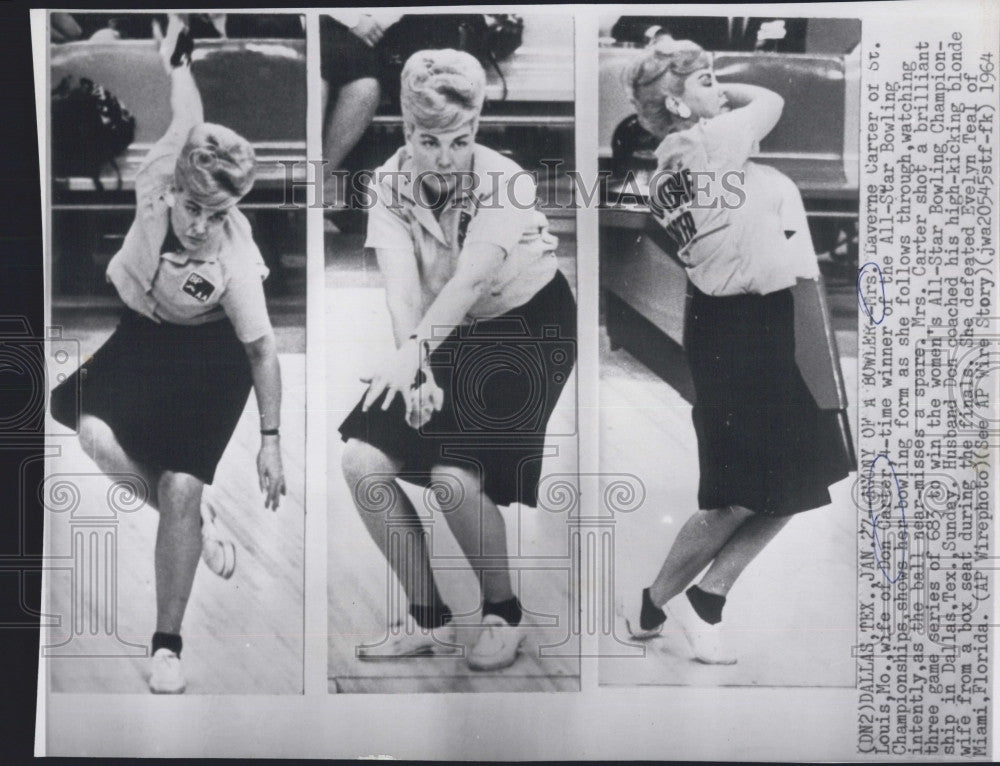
{"x": 670, "y": 203}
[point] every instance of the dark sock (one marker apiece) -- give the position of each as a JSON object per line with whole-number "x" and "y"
{"x": 509, "y": 610}
{"x": 707, "y": 605}
{"x": 433, "y": 616}
{"x": 651, "y": 615}
{"x": 170, "y": 641}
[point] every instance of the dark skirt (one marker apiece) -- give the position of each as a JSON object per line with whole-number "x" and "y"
{"x": 171, "y": 393}
{"x": 763, "y": 442}
{"x": 501, "y": 379}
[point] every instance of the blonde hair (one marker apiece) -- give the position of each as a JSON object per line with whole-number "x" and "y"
{"x": 442, "y": 89}
{"x": 659, "y": 72}
{"x": 215, "y": 165}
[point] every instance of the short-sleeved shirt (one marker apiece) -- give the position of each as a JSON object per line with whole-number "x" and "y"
{"x": 738, "y": 226}
{"x": 496, "y": 207}
{"x": 157, "y": 277}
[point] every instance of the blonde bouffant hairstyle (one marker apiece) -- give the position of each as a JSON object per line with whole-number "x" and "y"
{"x": 216, "y": 165}
{"x": 660, "y": 72}
{"x": 442, "y": 89}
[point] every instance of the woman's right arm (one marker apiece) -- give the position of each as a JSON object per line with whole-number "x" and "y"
{"x": 402, "y": 291}
{"x": 185, "y": 101}
{"x": 157, "y": 169}
{"x": 754, "y": 107}
{"x": 389, "y": 236}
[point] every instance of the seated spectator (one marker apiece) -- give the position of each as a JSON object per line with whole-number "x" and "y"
{"x": 349, "y": 68}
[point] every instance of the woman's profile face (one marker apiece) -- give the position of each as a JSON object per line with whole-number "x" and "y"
{"x": 197, "y": 225}
{"x": 703, "y": 95}
{"x": 439, "y": 156}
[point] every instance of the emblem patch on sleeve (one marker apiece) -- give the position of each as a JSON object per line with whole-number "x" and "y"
{"x": 199, "y": 287}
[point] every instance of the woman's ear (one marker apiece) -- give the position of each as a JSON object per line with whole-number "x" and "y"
{"x": 169, "y": 197}
{"x": 677, "y": 107}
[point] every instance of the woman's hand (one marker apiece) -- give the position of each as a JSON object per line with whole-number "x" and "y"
{"x": 423, "y": 401}
{"x": 395, "y": 376}
{"x": 368, "y": 30}
{"x": 270, "y": 473}
{"x": 174, "y": 50}
{"x": 266, "y": 373}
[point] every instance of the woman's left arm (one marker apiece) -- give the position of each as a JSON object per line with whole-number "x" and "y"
{"x": 477, "y": 265}
{"x": 266, "y": 372}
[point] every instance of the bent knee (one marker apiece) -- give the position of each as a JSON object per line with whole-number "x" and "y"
{"x": 735, "y": 512}
{"x": 468, "y": 481}
{"x": 361, "y": 460}
{"x": 367, "y": 88}
{"x": 180, "y": 491}
{"x": 93, "y": 434}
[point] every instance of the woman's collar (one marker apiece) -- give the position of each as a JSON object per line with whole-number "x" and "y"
{"x": 172, "y": 250}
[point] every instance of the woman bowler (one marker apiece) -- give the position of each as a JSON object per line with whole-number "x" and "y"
{"x": 740, "y": 230}
{"x": 472, "y": 285}
{"x": 161, "y": 398}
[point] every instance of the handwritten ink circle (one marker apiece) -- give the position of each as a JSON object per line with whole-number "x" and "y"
{"x": 861, "y": 297}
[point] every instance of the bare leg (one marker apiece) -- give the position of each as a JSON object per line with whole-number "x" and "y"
{"x": 699, "y": 541}
{"x": 350, "y": 114}
{"x": 178, "y": 547}
{"x": 393, "y": 525}
{"x": 748, "y": 541}
{"x": 178, "y": 537}
{"x": 100, "y": 444}
{"x": 480, "y": 530}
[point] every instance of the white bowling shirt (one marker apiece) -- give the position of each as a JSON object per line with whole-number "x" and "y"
{"x": 759, "y": 244}
{"x": 181, "y": 286}
{"x": 499, "y": 210}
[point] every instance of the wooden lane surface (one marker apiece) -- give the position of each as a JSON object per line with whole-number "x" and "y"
{"x": 359, "y": 583}
{"x": 241, "y": 636}
{"x": 792, "y": 614}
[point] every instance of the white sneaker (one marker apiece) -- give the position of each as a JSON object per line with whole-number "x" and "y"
{"x": 165, "y": 676}
{"x": 497, "y": 646}
{"x": 408, "y": 639}
{"x": 218, "y": 552}
{"x": 632, "y": 614}
{"x": 706, "y": 640}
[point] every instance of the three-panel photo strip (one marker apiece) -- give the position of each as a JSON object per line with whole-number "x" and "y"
{"x": 434, "y": 354}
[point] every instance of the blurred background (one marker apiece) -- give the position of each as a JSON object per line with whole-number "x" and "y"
{"x": 529, "y": 110}
{"x": 251, "y": 72}
{"x": 813, "y": 64}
